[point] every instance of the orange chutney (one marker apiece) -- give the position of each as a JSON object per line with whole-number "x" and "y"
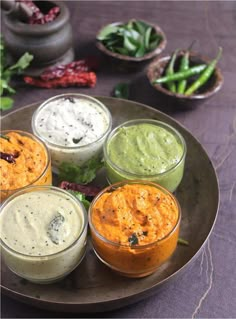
{"x": 31, "y": 163}
{"x": 135, "y": 227}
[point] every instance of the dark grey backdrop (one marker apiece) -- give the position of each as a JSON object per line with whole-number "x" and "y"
{"x": 208, "y": 288}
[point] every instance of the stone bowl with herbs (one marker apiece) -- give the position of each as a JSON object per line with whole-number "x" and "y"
{"x": 185, "y": 77}
{"x": 131, "y": 41}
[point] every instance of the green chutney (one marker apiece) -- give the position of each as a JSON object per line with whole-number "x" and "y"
{"x": 146, "y": 151}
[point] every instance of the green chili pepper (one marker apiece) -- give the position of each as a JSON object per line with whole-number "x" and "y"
{"x": 206, "y": 74}
{"x": 181, "y": 75}
{"x": 170, "y": 70}
{"x": 184, "y": 65}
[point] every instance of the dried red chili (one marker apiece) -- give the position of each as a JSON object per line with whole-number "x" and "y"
{"x": 58, "y": 71}
{"x": 87, "y": 190}
{"x": 77, "y": 79}
{"x": 10, "y": 158}
{"x": 49, "y": 17}
{"x": 38, "y": 17}
{"x": 37, "y": 14}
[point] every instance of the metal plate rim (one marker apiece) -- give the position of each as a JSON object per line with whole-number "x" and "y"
{"x": 31, "y": 300}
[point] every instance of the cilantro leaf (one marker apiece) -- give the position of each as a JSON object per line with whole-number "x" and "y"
{"x": 81, "y": 197}
{"x": 22, "y": 63}
{"x": 6, "y": 103}
{"x": 80, "y": 174}
{"x": 7, "y": 72}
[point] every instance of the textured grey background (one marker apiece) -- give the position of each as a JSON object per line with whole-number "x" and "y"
{"x": 208, "y": 288}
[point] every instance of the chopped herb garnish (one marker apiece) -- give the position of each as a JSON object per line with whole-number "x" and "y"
{"x": 145, "y": 233}
{"x": 133, "y": 239}
{"x": 5, "y": 137}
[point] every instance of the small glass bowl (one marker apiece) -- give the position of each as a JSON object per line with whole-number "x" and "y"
{"x": 169, "y": 179}
{"x": 73, "y": 154}
{"x": 134, "y": 261}
{"x": 44, "y": 178}
{"x": 49, "y": 268}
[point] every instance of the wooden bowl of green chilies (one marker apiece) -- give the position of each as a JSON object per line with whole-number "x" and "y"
{"x": 157, "y": 70}
{"x": 132, "y": 42}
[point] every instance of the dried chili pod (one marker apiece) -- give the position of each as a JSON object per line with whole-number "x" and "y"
{"x": 88, "y": 79}
{"x": 10, "y": 158}
{"x": 87, "y": 190}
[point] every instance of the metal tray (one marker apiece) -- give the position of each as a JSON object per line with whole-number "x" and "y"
{"x": 93, "y": 287}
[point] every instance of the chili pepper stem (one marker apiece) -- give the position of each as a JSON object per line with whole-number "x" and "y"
{"x": 191, "y": 45}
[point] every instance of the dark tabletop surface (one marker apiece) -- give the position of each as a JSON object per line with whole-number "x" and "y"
{"x": 208, "y": 288}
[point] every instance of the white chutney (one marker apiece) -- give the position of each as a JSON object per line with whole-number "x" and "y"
{"x": 74, "y": 127}
{"x": 43, "y": 233}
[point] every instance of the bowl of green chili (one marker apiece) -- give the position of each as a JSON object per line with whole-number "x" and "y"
{"x": 131, "y": 41}
{"x": 186, "y": 77}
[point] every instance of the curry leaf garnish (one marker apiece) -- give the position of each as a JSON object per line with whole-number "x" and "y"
{"x": 133, "y": 239}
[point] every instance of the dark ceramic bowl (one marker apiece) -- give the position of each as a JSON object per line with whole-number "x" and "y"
{"x": 50, "y": 43}
{"x": 156, "y": 69}
{"x": 131, "y": 59}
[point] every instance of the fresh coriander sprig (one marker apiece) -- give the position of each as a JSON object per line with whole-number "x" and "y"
{"x": 7, "y": 72}
{"x": 80, "y": 174}
{"x": 81, "y": 197}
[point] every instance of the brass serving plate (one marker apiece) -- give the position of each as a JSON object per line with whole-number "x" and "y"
{"x": 93, "y": 287}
